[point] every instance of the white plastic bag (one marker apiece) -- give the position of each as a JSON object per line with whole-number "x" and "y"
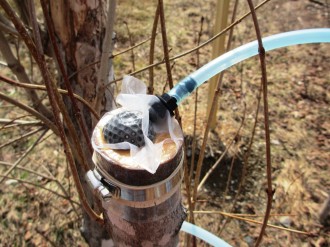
{"x": 133, "y": 97}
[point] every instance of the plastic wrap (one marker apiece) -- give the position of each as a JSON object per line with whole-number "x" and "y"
{"x": 133, "y": 97}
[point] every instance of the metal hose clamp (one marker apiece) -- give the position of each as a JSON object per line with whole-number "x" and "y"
{"x": 107, "y": 187}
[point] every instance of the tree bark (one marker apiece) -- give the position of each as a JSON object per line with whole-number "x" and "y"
{"x": 80, "y": 28}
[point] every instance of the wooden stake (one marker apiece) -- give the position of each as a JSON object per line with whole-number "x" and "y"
{"x": 218, "y": 48}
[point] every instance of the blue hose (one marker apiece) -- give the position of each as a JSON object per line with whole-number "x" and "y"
{"x": 191, "y": 82}
{"x": 203, "y": 234}
{"x": 195, "y": 79}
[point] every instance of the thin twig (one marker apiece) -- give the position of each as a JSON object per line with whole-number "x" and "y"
{"x": 188, "y": 179}
{"x": 241, "y": 215}
{"x": 166, "y": 52}
{"x": 110, "y": 57}
{"x": 9, "y": 123}
{"x": 23, "y": 11}
{"x": 62, "y": 188}
{"x": 209, "y": 172}
{"x": 5, "y": 26}
{"x": 238, "y": 217}
{"x": 19, "y": 71}
{"x": 16, "y": 120}
{"x": 152, "y": 51}
{"x": 41, "y": 175}
{"x": 30, "y": 110}
{"x": 42, "y": 87}
{"x": 166, "y": 82}
{"x": 23, "y": 156}
{"x": 194, "y": 140}
{"x": 36, "y": 185}
{"x": 249, "y": 148}
{"x": 131, "y": 43}
{"x": 165, "y": 44}
{"x": 247, "y": 154}
{"x": 262, "y": 58}
{"x": 34, "y": 23}
{"x": 48, "y": 240}
{"x": 50, "y": 178}
{"x": 21, "y": 137}
{"x": 130, "y": 48}
{"x": 202, "y": 152}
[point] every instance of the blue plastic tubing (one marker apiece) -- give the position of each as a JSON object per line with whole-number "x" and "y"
{"x": 203, "y": 234}
{"x": 195, "y": 79}
{"x": 191, "y": 82}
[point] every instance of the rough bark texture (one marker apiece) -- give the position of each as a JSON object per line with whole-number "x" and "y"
{"x": 154, "y": 226}
{"x": 150, "y": 223}
{"x": 79, "y": 26}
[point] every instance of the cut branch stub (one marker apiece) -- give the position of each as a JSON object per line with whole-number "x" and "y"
{"x": 148, "y": 209}
{"x": 127, "y": 126}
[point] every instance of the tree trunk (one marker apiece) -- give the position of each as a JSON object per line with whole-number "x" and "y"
{"x": 80, "y": 28}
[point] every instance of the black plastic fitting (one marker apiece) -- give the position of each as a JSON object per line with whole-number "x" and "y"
{"x": 157, "y": 110}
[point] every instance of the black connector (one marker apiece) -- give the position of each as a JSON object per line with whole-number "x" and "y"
{"x": 157, "y": 110}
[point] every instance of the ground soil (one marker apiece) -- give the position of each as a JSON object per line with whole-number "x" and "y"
{"x": 299, "y": 114}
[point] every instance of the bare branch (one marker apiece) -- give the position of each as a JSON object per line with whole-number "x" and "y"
{"x": 27, "y": 170}
{"x": 6, "y": 26}
{"x": 30, "y": 110}
{"x": 165, "y": 44}
{"x": 35, "y": 27}
{"x": 239, "y": 217}
{"x": 9, "y": 123}
{"x": 194, "y": 141}
{"x": 110, "y": 57}
{"x": 152, "y": 51}
{"x": 262, "y": 58}
{"x": 20, "y": 137}
{"x": 17, "y": 68}
{"x": 23, "y": 156}
{"x": 42, "y": 87}
{"x": 130, "y": 48}
{"x": 166, "y": 53}
{"x": 36, "y": 185}
{"x": 63, "y": 189}
{"x": 131, "y": 43}
{"x": 209, "y": 172}
{"x": 23, "y": 10}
